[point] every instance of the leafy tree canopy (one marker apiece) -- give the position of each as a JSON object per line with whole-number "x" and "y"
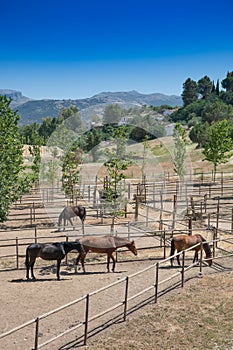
{"x": 11, "y": 155}
{"x": 218, "y": 148}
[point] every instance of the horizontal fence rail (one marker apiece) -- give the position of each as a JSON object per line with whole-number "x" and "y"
{"x": 155, "y": 284}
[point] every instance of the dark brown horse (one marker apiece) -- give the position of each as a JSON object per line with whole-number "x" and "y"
{"x": 182, "y": 242}
{"x": 50, "y": 251}
{"x": 105, "y": 244}
{"x": 70, "y": 212}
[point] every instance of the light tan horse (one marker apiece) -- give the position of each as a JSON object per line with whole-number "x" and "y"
{"x": 104, "y": 244}
{"x": 71, "y": 212}
{"x": 182, "y": 242}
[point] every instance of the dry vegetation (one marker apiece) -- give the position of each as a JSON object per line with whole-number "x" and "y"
{"x": 199, "y": 316}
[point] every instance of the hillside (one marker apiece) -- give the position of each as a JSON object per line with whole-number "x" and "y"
{"x": 34, "y": 110}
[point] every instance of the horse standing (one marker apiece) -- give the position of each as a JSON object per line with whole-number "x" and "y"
{"x": 105, "y": 244}
{"x": 70, "y": 212}
{"x": 50, "y": 251}
{"x": 182, "y": 242}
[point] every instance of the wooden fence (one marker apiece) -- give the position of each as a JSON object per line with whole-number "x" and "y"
{"x": 156, "y": 287}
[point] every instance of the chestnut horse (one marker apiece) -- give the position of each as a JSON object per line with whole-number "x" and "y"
{"x": 182, "y": 242}
{"x": 70, "y": 212}
{"x": 105, "y": 244}
{"x": 50, "y": 251}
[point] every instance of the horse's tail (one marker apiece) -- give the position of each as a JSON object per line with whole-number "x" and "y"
{"x": 60, "y": 218}
{"x": 172, "y": 252}
{"x": 84, "y": 214}
{"x": 27, "y": 257}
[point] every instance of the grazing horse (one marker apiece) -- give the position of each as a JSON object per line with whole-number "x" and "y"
{"x": 70, "y": 212}
{"x": 105, "y": 244}
{"x": 50, "y": 251}
{"x": 182, "y": 242}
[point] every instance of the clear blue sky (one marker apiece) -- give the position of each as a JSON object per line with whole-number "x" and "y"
{"x": 78, "y": 48}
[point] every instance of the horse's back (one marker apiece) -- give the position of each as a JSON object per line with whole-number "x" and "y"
{"x": 185, "y": 241}
{"x": 52, "y": 251}
{"x": 99, "y": 243}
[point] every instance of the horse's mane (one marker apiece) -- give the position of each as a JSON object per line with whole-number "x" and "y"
{"x": 120, "y": 240}
{"x": 205, "y": 245}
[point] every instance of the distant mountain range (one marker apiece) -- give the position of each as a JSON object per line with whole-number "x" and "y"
{"x": 35, "y": 110}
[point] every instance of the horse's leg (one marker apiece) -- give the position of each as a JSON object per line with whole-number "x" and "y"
{"x": 32, "y": 265}
{"x": 178, "y": 259}
{"x": 71, "y": 222}
{"x": 58, "y": 268}
{"x": 195, "y": 256}
{"x": 113, "y": 262}
{"x": 82, "y": 257}
{"x": 83, "y": 262}
{"x": 108, "y": 261}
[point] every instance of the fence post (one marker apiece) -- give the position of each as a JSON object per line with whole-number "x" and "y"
{"x": 182, "y": 270}
{"x": 126, "y": 297}
{"x": 147, "y": 216}
{"x": 232, "y": 219}
{"x": 190, "y": 226}
{"x": 36, "y": 334}
{"x": 67, "y": 239}
{"x": 164, "y": 244}
{"x": 17, "y": 253}
{"x": 86, "y": 320}
{"x": 30, "y": 215}
{"x": 34, "y": 211}
{"x": 156, "y": 281}
{"x": 35, "y": 233}
{"x": 217, "y": 219}
{"x": 201, "y": 259}
{"x": 129, "y": 229}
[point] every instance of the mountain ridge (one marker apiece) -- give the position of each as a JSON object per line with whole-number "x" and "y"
{"x": 32, "y": 110}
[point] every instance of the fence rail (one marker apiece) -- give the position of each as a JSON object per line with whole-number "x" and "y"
{"x": 155, "y": 284}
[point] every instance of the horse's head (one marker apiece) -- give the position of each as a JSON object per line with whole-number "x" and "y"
{"x": 79, "y": 247}
{"x": 209, "y": 260}
{"x": 208, "y": 253}
{"x": 132, "y": 248}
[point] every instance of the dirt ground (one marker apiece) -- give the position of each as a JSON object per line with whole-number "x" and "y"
{"x": 204, "y": 306}
{"x": 199, "y": 316}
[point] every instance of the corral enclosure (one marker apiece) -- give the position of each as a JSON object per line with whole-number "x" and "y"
{"x": 158, "y": 208}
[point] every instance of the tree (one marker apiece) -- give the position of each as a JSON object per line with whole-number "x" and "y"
{"x": 200, "y": 134}
{"x": 227, "y": 83}
{"x": 91, "y": 140}
{"x": 11, "y": 155}
{"x": 217, "y": 88}
{"x": 190, "y": 92}
{"x": 218, "y": 149}
{"x": 112, "y": 114}
{"x": 215, "y": 111}
{"x": 118, "y": 161}
{"x": 71, "y": 172}
{"x": 180, "y": 143}
{"x": 204, "y": 86}
{"x": 146, "y": 147}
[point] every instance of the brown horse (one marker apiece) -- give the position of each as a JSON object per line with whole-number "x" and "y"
{"x": 182, "y": 242}
{"x": 105, "y": 244}
{"x": 50, "y": 251}
{"x": 70, "y": 212}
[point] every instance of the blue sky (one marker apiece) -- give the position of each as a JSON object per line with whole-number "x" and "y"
{"x": 76, "y": 48}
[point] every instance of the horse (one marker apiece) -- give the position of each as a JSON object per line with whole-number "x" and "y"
{"x": 70, "y": 212}
{"x": 50, "y": 251}
{"x": 104, "y": 244}
{"x": 183, "y": 241}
